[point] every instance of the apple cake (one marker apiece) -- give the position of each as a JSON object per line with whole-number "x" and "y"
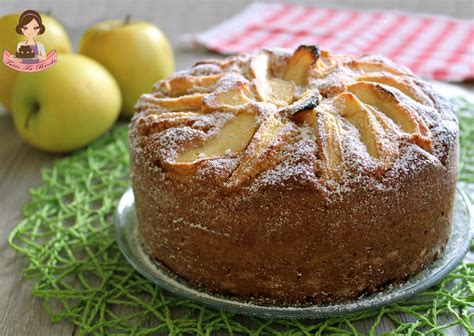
{"x": 294, "y": 177}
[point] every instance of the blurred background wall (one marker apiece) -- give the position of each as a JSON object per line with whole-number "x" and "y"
{"x": 175, "y": 17}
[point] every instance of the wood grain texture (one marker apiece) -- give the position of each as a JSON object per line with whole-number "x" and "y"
{"x": 20, "y": 313}
{"x": 20, "y": 164}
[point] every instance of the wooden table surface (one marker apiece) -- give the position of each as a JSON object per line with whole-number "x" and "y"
{"x": 20, "y": 164}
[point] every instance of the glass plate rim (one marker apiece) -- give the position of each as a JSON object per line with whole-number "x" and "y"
{"x": 180, "y": 287}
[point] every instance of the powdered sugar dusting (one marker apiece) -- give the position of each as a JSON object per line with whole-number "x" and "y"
{"x": 132, "y": 246}
{"x": 302, "y": 160}
{"x": 301, "y": 156}
{"x": 350, "y": 176}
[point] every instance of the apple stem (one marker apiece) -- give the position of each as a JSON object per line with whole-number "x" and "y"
{"x": 33, "y": 111}
{"x": 127, "y": 19}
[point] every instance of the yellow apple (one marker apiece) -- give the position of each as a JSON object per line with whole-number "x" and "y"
{"x": 54, "y": 37}
{"x": 137, "y": 53}
{"x": 67, "y": 106}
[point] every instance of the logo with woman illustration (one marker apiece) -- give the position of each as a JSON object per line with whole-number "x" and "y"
{"x": 30, "y": 55}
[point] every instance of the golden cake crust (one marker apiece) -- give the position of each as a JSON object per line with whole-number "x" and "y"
{"x": 341, "y": 179}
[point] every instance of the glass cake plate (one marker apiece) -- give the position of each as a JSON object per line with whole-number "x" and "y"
{"x": 127, "y": 238}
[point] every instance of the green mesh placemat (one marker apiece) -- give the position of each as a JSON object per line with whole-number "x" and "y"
{"x": 79, "y": 272}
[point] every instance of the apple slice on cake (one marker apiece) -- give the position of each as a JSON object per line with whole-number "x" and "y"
{"x": 184, "y": 85}
{"x": 236, "y": 95}
{"x": 275, "y": 90}
{"x": 262, "y": 153}
{"x": 329, "y": 142}
{"x": 403, "y": 84}
{"x": 187, "y": 102}
{"x": 377, "y": 138}
{"x": 306, "y": 103}
{"x": 230, "y": 140}
{"x": 300, "y": 64}
{"x": 401, "y": 113}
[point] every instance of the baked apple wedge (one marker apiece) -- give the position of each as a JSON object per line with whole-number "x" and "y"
{"x": 324, "y": 64}
{"x": 259, "y": 155}
{"x": 184, "y": 85}
{"x": 188, "y": 102}
{"x": 306, "y": 103}
{"x": 403, "y": 84}
{"x": 158, "y": 122}
{"x": 231, "y": 139}
{"x": 378, "y": 141}
{"x": 329, "y": 142}
{"x": 236, "y": 95}
{"x": 401, "y": 113}
{"x": 366, "y": 66}
{"x": 275, "y": 90}
{"x": 300, "y": 64}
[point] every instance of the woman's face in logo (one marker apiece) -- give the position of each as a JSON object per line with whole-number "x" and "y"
{"x": 31, "y": 29}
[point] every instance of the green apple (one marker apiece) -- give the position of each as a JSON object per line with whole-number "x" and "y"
{"x": 54, "y": 37}
{"x": 66, "y": 106}
{"x": 137, "y": 53}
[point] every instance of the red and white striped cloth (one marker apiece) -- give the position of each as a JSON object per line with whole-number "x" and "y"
{"x": 432, "y": 46}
